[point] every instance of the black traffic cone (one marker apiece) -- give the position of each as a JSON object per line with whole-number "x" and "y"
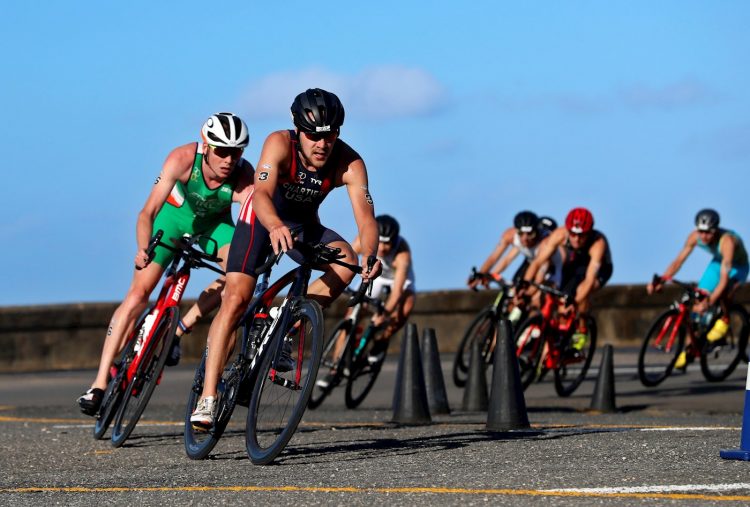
{"x": 507, "y": 409}
{"x": 410, "y": 404}
{"x": 603, "y": 399}
{"x": 475, "y": 392}
{"x": 433, "y": 374}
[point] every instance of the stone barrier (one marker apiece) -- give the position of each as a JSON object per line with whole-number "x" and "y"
{"x": 70, "y": 336}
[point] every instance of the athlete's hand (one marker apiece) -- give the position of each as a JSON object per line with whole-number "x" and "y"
{"x": 281, "y": 238}
{"x": 378, "y": 319}
{"x": 142, "y": 259}
{"x": 370, "y": 271}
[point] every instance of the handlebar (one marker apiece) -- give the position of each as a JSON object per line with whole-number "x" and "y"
{"x": 377, "y": 303}
{"x": 691, "y": 288}
{"x": 186, "y": 246}
{"x": 487, "y": 278}
{"x": 553, "y": 291}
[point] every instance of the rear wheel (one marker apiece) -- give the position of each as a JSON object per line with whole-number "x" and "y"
{"x": 574, "y": 363}
{"x": 279, "y": 399}
{"x": 139, "y": 390}
{"x": 481, "y": 329}
{"x": 529, "y": 345}
{"x": 660, "y": 349}
{"x": 720, "y": 358}
{"x": 362, "y": 374}
{"x": 115, "y": 389}
{"x": 330, "y": 364}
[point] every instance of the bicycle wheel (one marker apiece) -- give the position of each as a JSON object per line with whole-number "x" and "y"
{"x": 115, "y": 389}
{"x": 529, "y": 346}
{"x": 660, "y": 348}
{"x": 330, "y": 363}
{"x": 573, "y": 363}
{"x": 198, "y": 444}
{"x": 362, "y": 374}
{"x": 482, "y": 328}
{"x": 139, "y": 390}
{"x": 279, "y": 399}
{"x": 720, "y": 358}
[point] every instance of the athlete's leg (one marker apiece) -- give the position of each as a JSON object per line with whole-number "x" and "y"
{"x": 221, "y": 336}
{"x": 209, "y": 299}
{"x": 398, "y": 317}
{"x": 123, "y": 320}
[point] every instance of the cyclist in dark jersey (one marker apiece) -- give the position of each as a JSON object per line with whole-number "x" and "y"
{"x": 296, "y": 171}
{"x": 587, "y": 264}
{"x": 193, "y": 195}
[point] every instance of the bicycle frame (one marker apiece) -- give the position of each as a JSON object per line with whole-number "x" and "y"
{"x": 683, "y": 306}
{"x": 551, "y": 328}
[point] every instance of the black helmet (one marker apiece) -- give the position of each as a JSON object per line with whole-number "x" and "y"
{"x": 547, "y": 224}
{"x": 526, "y": 221}
{"x": 388, "y": 228}
{"x": 706, "y": 219}
{"x": 317, "y": 111}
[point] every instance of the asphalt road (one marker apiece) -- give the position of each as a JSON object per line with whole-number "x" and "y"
{"x": 661, "y": 447}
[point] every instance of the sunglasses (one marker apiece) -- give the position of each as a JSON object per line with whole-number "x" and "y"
{"x": 317, "y": 136}
{"x": 224, "y": 152}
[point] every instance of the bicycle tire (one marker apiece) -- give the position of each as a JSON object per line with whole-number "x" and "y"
{"x": 529, "y": 346}
{"x": 731, "y": 347}
{"x": 330, "y": 363}
{"x": 138, "y": 391}
{"x": 113, "y": 395}
{"x": 568, "y": 379}
{"x": 199, "y": 444}
{"x": 279, "y": 400}
{"x": 657, "y": 356}
{"x": 362, "y": 374}
{"x": 482, "y": 328}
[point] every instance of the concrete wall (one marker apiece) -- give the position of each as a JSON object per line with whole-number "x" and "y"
{"x": 70, "y": 336}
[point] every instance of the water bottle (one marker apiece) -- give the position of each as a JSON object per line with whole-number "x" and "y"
{"x": 515, "y": 315}
{"x": 143, "y": 332}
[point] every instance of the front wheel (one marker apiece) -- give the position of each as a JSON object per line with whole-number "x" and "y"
{"x": 331, "y": 363}
{"x": 721, "y": 357}
{"x": 146, "y": 376}
{"x": 573, "y": 362}
{"x": 279, "y": 398}
{"x": 660, "y": 349}
{"x": 482, "y": 329}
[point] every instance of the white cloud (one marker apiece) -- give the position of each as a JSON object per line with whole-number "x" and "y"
{"x": 384, "y": 92}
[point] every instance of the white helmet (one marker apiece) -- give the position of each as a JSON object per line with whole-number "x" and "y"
{"x": 225, "y": 129}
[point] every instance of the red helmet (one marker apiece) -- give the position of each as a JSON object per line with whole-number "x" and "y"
{"x": 579, "y": 220}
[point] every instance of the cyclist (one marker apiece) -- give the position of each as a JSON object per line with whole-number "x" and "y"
{"x": 726, "y": 271}
{"x": 296, "y": 171}
{"x": 587, "y": 265}
{"x": 192, "y": 195}
{"x": 397, "y": 281}
{"x": 525, "y": 237}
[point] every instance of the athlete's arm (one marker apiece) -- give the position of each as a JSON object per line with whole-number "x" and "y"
{"x": 546, "y": 250}
{"x": 274, "y": 158}
{"x": 176, "y": 167}
{"x": 506, "y": 239}
{"x": 726, "y": 247}
{"x": 354, "y": 176}
{"x": 676, "y": 264}
{"x": 244, "y": 187}
{"x": 596, "y": 256}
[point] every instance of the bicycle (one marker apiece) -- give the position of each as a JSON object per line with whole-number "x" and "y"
{"x": 276, "y": 400}
{"x": 668, "y": 335}
{"x": 139, "y": 369}
{"x": 349, "y": 360}
{"x": 544, "y": 342}
{"x": 483, "y": 328}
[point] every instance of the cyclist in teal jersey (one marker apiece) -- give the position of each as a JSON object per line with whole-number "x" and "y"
{"x": 192, "y": 195}
{"x": 726, "y": 271}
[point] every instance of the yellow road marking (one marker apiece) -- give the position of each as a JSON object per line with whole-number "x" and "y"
{"x": 438, "y": 491}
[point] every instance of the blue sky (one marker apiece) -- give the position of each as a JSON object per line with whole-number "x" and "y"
{"x": 464, "y": 113}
